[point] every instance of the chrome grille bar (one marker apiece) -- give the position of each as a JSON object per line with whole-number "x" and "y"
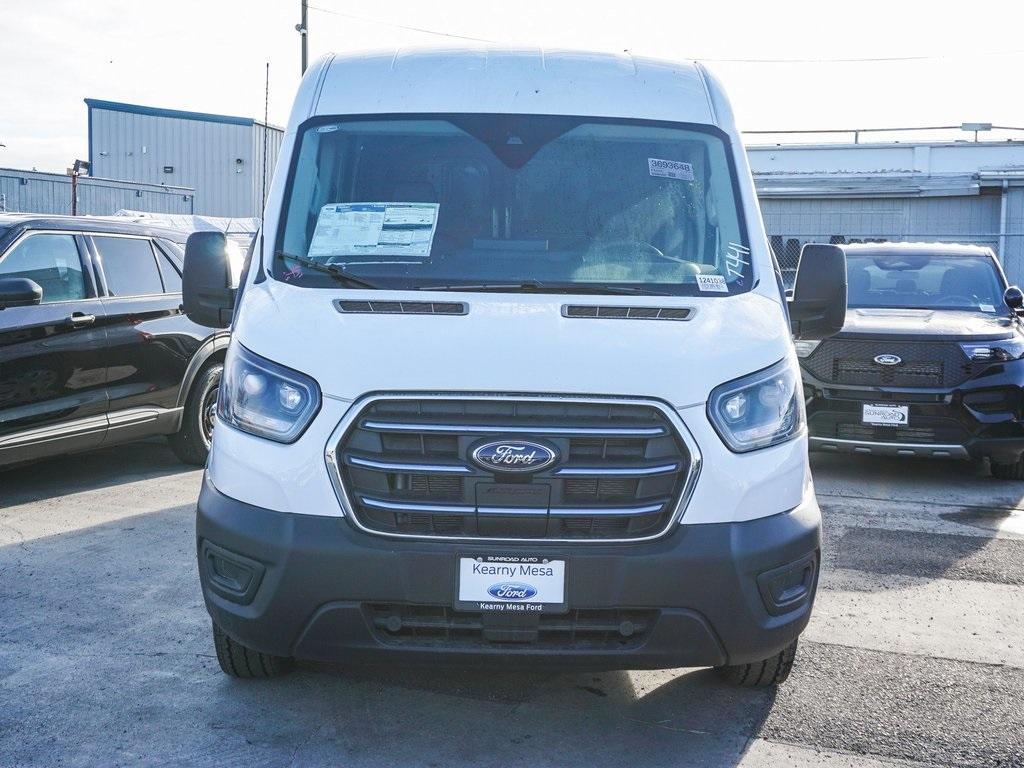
{"x": 511, "y": 429}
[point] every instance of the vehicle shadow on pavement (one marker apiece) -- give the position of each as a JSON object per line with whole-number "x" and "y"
{"x": 919, "y": 519}
{"x": 91, "y": 470}
{"x": 106, "y": 658}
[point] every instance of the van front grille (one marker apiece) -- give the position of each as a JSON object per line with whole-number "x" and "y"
{"x": 405, "y": 467}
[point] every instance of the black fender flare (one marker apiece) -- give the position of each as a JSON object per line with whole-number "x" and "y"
{"x": 213, "y": 345}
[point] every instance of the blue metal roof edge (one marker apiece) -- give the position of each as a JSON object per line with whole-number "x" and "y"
{"x": 138, "y": 109}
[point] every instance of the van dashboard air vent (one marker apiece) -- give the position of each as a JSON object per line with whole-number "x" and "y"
{"x": 402, "y": 307}
{"x": 627, "y": 313}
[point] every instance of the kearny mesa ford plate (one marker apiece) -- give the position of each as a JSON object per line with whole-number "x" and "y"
{"x": 525, "y": 583}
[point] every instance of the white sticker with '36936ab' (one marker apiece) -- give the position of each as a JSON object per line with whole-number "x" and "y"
{"x": 670, "y": 169}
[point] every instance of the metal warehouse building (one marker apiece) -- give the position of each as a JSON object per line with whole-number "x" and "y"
{"x": 967, "y": 192}
{"x": 219, "y": 156}
{"x": 38, "y": 192}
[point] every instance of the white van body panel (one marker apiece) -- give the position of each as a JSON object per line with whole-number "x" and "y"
{"x": 513, "y": 342}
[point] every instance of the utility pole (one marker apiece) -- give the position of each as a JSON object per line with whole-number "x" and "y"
{"x": 74, "y": 172}
{"x": 303, "y": 29}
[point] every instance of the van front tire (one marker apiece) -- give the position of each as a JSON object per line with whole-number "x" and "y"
{"x": 1013, "y": 471}
{"x": 761, "y": 674}
{"x": 237, "y": 660}
{"x": 191, "y": 443}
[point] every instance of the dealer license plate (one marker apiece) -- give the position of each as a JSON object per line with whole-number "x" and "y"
{"x": 511, "y": 583}
{"x": 886, "y": 415}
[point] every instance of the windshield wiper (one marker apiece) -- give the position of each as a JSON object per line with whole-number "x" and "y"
{"x": 533, "y": 286}
{"x": 333, "y": 270}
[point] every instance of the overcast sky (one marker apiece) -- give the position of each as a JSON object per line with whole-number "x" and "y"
{"x": 941, "y": 66}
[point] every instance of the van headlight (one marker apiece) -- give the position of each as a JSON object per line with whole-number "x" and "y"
{"x": 265, "y": 399}
{"x": 759, "y": 410}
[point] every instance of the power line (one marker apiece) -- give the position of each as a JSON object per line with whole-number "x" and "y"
{"x": 400, "y": 26}
{"x": 852, "y": 60}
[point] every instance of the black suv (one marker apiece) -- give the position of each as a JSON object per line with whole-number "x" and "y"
{"x": 928, "y": 363}
{"x": 94, "y": 348}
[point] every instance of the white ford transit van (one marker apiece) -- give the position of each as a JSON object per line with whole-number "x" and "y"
{"x": 511, "y": 378}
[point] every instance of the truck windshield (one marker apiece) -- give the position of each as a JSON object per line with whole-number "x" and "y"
{"x": 517, "y": 202}
{"x": 922, "y": 281}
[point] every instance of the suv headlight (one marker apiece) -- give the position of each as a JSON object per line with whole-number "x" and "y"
{"x": 997, "y": 351}
{"x": 759, "y": 410}
{"x": 265, "y": 399}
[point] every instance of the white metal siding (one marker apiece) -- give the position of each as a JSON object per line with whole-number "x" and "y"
{"x": 203, "y": 154}
{"x": 36, "y": 192}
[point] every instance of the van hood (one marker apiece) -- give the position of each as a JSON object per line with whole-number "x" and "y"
{"x": 512, "y": 343}
{"x": 936, "y": 323}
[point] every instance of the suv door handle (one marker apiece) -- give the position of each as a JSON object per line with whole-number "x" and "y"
{"x": 80, "y": 320}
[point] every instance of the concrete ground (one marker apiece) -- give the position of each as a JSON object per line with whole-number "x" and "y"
{"x": 915, "y": 654}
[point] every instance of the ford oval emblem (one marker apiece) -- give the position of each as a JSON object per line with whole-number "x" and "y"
{"x": 509, "y": 590}
{"x": 888, "y": 359}
{"x": 514, "y": 456}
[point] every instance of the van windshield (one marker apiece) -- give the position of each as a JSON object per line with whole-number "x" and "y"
{"x": 923, "y": 281}
{"x": 517, "y": 202}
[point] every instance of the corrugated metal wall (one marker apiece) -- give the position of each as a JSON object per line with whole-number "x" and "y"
{"x": 217, "y": 159}
{"x": 35, "y": 192}
{"x": 792, "y": 222}
{"x": 274, "y": 137}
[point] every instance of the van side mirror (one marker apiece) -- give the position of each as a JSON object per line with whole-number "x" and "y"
{"x": 1014, "y": 298}
{"x": 19, "y": 292}
{"x": 210, "y": 278}
{"x": 818, "y": 307}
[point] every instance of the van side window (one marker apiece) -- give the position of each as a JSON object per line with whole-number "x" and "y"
{"x": 129, "y": 265}
{"x": 52, "y": 261}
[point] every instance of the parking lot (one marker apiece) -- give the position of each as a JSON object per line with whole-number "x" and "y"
{"x": 915, "y": 654}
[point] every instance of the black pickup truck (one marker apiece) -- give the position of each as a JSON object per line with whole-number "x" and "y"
{"x": 929, "y": 360}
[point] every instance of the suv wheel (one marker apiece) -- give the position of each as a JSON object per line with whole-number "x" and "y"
{"x": 191, "y": 443}
{"x": 771, "y": 671}
{"x": 238, "y": 660}
{"x": 1013, "y": 471}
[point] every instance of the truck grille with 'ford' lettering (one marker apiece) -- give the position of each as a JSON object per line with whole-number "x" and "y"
{"x": 924, "y": 364}
{"x": 443, "y": 467}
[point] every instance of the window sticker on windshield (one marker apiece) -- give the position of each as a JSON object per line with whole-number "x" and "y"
{"x": 374, "y": 229}
{"x": 736, "y": 258}
{"x": 712, "y": 284}
{"x": 987, "y": 308}
{"x": 670, "y": 169}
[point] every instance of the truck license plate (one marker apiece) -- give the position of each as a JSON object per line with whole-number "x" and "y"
{"x": 886, "y": 415}
{"x": 511, "y": 583}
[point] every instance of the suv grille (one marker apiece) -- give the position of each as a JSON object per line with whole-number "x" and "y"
{"x": 404, "y": 465}
{"x": 426, "y": 625}
{"x": 925, "y": 364}
{"x": 925, "y": 430}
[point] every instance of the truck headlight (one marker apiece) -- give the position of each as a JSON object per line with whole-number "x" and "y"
{"x": 265, "y": 399}
{"x": 996, "y": 351}
{"x": 759, "y": 410}
{"x": 804, "y": 347}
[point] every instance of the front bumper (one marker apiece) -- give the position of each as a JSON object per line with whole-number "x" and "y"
{"x": 981, "y": 418}
{"x": 316, "y": 588}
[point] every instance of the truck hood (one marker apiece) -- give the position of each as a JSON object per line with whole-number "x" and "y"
{"x": 512, "y": 343}
{"x": 936, "y": 323}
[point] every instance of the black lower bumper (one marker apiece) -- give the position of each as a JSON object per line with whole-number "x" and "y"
{"x": 316, "y": 588}
{"x": 981, "y": 418}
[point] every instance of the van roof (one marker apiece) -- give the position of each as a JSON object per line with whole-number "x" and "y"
{"x": 504, "y": 81}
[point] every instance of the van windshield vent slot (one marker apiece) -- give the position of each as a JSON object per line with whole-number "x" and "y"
{"x": 402, "y": 307}
{"x": 627, "y": 313}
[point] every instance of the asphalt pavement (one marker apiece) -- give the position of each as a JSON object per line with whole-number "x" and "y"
{"x": 914, "y": 656}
